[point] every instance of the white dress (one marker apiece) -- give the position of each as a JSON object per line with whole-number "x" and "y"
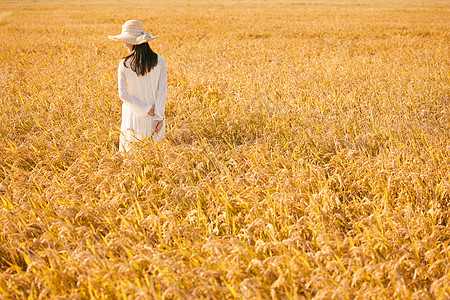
{"x": 139, "y": 94}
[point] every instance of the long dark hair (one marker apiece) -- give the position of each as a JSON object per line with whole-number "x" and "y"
{"x": 143, "y": 59}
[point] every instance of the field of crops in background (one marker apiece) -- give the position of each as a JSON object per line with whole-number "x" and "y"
{"x": 307, "y": 152}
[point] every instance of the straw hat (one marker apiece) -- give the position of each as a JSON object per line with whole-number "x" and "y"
{"x": 133, "y": 32}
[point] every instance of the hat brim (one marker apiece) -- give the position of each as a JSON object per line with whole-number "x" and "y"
{"x": 130, "y": 39}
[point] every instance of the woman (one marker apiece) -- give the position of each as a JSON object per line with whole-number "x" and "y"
{"x": 142, "y": 87}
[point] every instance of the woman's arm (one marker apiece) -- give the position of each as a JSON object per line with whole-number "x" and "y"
{"x": 139, "y": 107}
{"x": 161, "y": 93}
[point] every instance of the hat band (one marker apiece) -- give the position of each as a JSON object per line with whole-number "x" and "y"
{"x": 142, "y": 34}
{"x": 133, "y": 31}
{"x": 138, "y": 34}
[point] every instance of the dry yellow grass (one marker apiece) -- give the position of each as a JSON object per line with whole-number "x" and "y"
{"x": 307, "y": 152}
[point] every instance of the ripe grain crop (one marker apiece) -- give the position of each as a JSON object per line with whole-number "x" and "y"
{"x": 307, "y": 152}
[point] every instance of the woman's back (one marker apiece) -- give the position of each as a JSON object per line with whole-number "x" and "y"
{"x": 144, "y": 87}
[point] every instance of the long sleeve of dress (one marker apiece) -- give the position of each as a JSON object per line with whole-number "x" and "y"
{"x": 139, "y": 107}
{"x": 161, "y": 93}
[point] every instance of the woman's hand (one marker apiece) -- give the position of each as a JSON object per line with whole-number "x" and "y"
{"x": 151, "y": 112}
{"x": 157, "y": 125}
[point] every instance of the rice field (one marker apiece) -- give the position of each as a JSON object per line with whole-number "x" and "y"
{"x": 307, "y": 152}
